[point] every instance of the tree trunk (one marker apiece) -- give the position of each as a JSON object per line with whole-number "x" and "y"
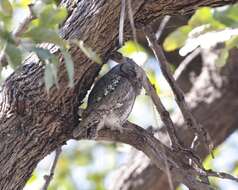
{"x": 34, "y": 123}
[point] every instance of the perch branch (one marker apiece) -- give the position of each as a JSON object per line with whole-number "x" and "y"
{"x": 154, "y": 149}
{"x": 145, "y": 141}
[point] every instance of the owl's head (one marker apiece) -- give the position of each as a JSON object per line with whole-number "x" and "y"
{"x": 131, "y": 70}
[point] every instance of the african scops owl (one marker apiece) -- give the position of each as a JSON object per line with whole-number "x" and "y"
{"x": 112, "y": 97}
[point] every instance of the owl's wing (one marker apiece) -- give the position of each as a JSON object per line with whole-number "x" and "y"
{"x": 100, "y": 88}
{"x": 112, "y": 97}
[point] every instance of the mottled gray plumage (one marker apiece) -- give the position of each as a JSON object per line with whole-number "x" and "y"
{"x": 112, "y": 97}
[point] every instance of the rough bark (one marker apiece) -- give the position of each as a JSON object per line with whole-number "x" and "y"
{"x": 210, "y": 100}
{"x": 34, "y": 123}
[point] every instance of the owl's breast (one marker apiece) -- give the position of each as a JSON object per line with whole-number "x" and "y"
{"x": 124, "y": 108}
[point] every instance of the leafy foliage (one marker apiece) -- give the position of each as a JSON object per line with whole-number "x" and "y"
{"x": 207, "y": 26}
{"x": 89, "y": 52}
{"x": 44, "y": 28}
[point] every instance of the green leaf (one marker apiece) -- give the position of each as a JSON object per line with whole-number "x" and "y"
{"x": 51, "y": 61}
{"x": 204, "y": 16}
{"x": 201, "y": 16}
{"x": 6, "y": 36}
{"x": 48, "y": 1}
{"x": 235, "y": 169}
{"x": 13, "y": 54}
{"x": 222, "y": 58}
{"x": 233, "y": 42}
{"x": 92, "y": 55}
{"x": 152, "y": 77}
{"x": 32, "y": 179}
{"x": 21, "y": 4}
{"x": 208, "y": 161}
{"x": 6, "y": 7}
{"x": 49, "y": 77}
{"x": 42, "y": 53}
{"x": 39, "y": 34}
{"x": 54, "y": 73}
{"x": 45, "y": 55}
{"x": 228, "y": 17}
{"x": 130, "y": 47}
{"x": 50, "y": 16}
{"x": 69, "y": 67}
{"x": 177, "y": 38}
{"x": 83, "y": 159}
{"x": 97, "y": 178}
{"x": 232, "y": 12}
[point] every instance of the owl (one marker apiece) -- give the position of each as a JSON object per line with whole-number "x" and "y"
{"x": 112, "y": 97}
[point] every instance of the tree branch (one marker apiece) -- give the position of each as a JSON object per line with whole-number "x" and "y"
{"x": 49, "y": 177}
{"x": 143, "y": 140}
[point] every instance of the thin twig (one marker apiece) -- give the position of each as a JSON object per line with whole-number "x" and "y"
{"x": 179, "y": 96}
{"x": 168, "y": 173}
{"x": 49, "y": 177}
{"x": 121, "y": 22}
{"x": 222, "y": 175}
{"x": 185, "y": 63}
{"x": 158, "y": 34}
{"x": 23, "y": 26}
{"x": 164, "y": 114}
{"x": 130, "y": 14}
{"x": 162, "y": 25}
